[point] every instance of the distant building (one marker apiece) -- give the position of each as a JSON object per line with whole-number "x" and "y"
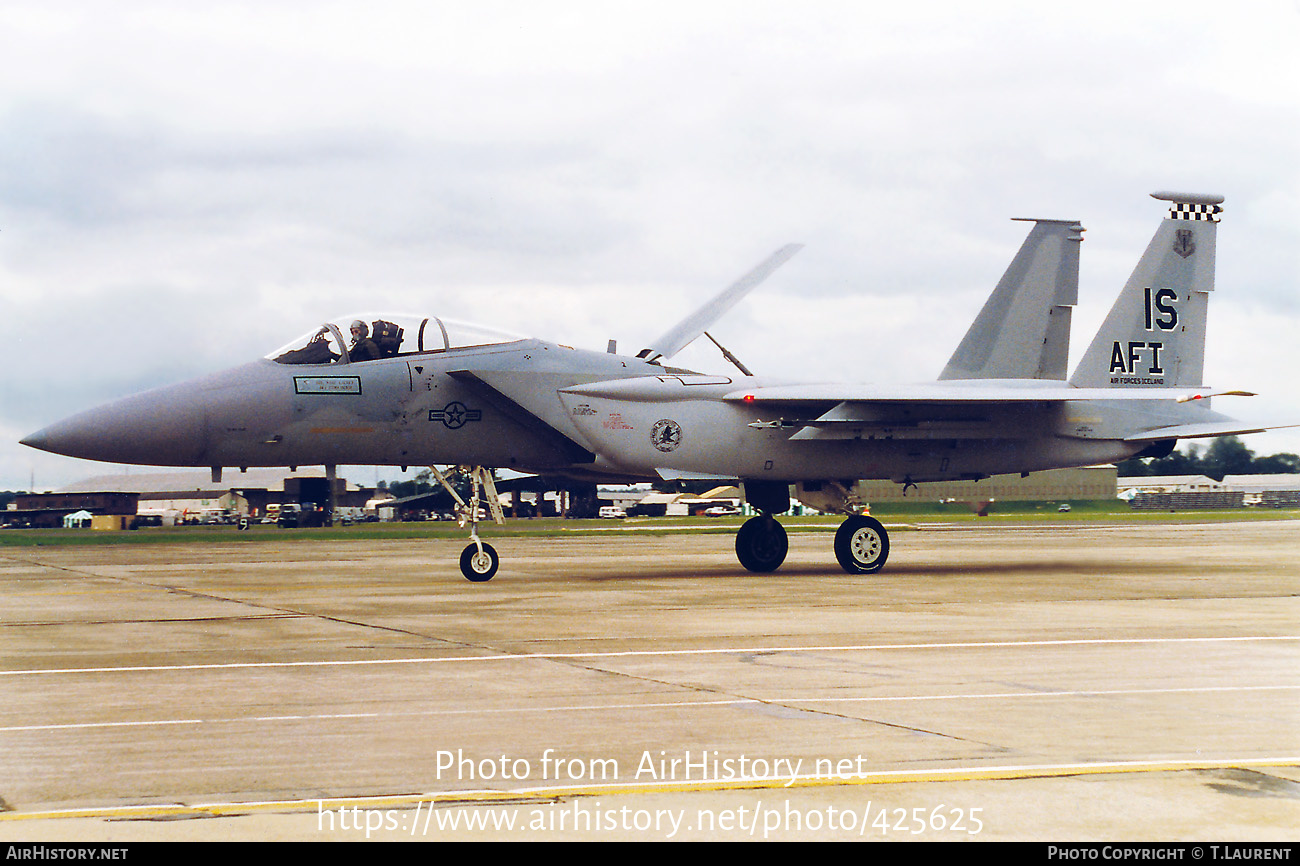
{"x": 1169, "y": 484}
{"x": 192, "y": 495}
{"x": 1053, "y": 485}
{"x": 48, "y": 510}
{"x": 1178, "y": 492}
{"x": 1262, "y": 483}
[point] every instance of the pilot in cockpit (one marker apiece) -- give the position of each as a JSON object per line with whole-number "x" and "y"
{"x": 363, "y": 348}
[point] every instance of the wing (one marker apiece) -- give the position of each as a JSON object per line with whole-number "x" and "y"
{"x": 1010, "y": 391}
{"x": 949, "y": 410}
{"x": 656, "y": 389}
{"x": 508, "y": 393}
{"x": 687, "y": 330}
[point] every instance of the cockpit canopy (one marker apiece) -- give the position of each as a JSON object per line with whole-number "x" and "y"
{"x": 369, "y": 336}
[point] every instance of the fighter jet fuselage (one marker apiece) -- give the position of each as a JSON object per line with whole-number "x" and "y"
{"x": 604, "y": 415}
{"x": 412, "y": 390}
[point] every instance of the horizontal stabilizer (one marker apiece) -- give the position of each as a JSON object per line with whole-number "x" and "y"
{"x": 1201, "y": 431}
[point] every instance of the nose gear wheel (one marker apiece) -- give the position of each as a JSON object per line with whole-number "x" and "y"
{"x": 478, "y": 564}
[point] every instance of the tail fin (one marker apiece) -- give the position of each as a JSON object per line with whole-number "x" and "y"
{"x": 1155, "y": 332}
{"x": 1023, "y": 330}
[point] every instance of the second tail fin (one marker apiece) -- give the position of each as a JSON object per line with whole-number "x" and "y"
{"x": 1154, "y": 335}
{"x": 1023, "y": 330}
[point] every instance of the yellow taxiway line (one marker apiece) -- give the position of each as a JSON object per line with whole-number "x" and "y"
{"x": 539, "y": 794}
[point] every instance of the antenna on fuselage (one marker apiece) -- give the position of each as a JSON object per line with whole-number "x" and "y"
{"x": 726, "y": 354}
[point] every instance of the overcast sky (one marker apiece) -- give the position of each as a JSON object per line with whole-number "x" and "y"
{"x": 184, "y": 187}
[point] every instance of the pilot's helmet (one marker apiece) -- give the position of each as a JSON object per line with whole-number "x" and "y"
{"x": 360, "y": 329}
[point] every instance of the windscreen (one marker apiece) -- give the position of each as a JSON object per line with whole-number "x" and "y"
{"x": 369, "y": 337}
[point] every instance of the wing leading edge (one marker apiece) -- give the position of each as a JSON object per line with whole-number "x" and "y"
{"x": 1014, "y": 391}
{"x": 939, "y": 411}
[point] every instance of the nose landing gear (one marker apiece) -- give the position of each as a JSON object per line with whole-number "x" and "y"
{"x": 478, "y": 561}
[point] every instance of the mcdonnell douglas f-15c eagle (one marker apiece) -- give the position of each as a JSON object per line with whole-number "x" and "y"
{"x": 424, "y": 391}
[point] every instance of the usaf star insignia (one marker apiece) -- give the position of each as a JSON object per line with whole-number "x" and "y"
{"x": 455, "y": 415}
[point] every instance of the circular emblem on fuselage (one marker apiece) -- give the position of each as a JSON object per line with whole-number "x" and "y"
{"x": 666, "y": 434}
{"x": 455, "y": 415}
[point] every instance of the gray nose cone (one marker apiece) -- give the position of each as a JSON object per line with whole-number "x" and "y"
{"x": 37, "y": 440}
{"x": 159, "y": 428}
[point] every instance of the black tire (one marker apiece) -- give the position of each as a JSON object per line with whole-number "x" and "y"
{"x": 761, "y": 544}
{"x": 478, "y": 568}
{"x": 862, "y": 545}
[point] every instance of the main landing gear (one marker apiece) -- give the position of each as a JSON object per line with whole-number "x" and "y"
{"x": 861, "y": 544}
{"x": 761, "y": 544}
{"x": 478, "y": 561}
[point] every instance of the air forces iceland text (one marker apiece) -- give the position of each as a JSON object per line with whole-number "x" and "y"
{"x": 1141, "y": 358}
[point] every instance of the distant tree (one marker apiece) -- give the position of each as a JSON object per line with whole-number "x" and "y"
{"x": 424, "y": 482}
{"x": 1277, "y": 464}
{"x": 421, "y": 483}
{"x": 1176, "y": 463}
{"x": 1226, "y": 455}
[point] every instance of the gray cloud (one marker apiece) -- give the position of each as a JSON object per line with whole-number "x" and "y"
{"x": 181, "y": 190}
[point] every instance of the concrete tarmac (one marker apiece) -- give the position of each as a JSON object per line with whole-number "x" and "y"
{"x": 1080, "y": 682}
